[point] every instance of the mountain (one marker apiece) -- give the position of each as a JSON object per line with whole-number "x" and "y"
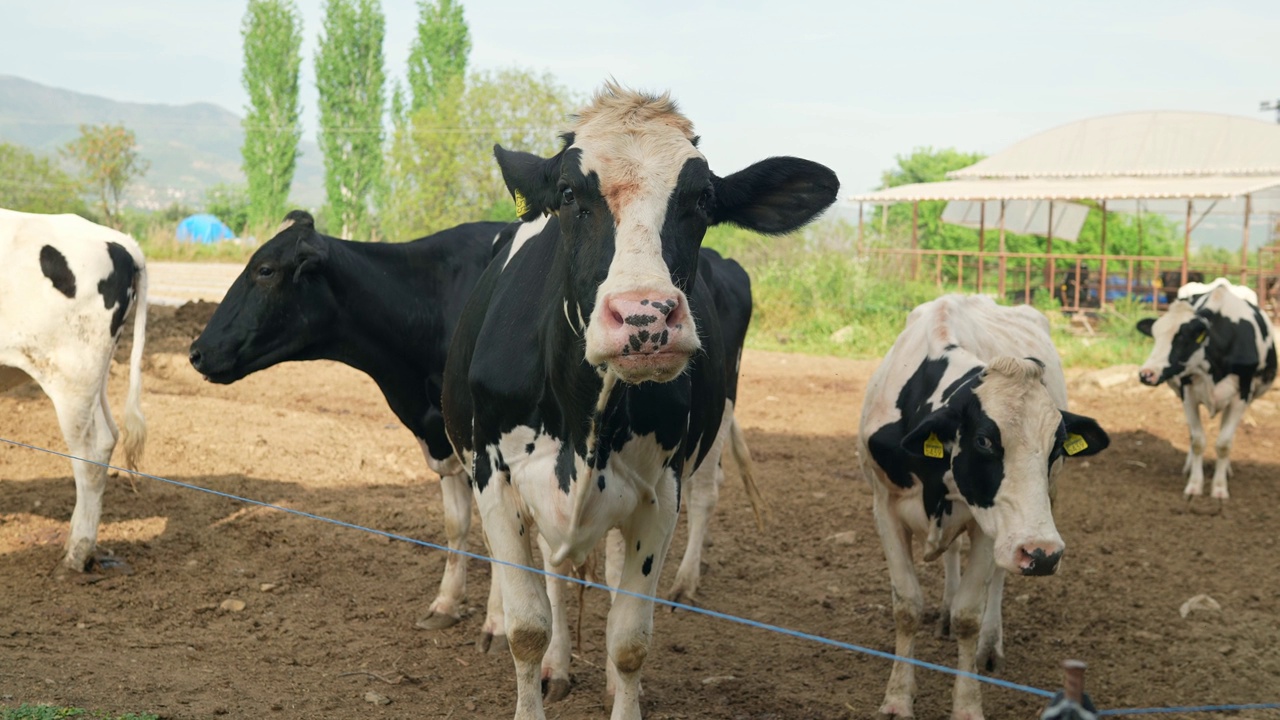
{"x": 190, "y": 147}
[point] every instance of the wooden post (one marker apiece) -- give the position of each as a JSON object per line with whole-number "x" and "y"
{"x": 1048, "y": 251}
{"x": 1244, "y": 244}
{"x": 1186, "y": 245}
{"x": 859, "y": 248}
{"x": 1102, "y": 283}
{"x": 1073, "y": 682}
{"x": 1003, "y": 259}
{"x": 982, "y": 242}
{"x": 915, "y": 238}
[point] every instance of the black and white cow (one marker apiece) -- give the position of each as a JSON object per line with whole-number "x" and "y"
{"x": 586, "y": 377}
{"x": 964, "y": 430}
{"x": 386, "y": 309}
{"x": 1215, "y": 348}
{"x": 66, "y": 287}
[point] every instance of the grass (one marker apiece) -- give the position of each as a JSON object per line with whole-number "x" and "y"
{"x": 54, "y": 712}
{"x": 159, "y": 243}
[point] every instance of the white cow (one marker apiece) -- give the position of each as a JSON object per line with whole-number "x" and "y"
{"x": 66, "y": 285}
{"x": 964, "y": 429}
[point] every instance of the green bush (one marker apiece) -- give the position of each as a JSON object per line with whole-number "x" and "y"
{"x": 53, "y": 712}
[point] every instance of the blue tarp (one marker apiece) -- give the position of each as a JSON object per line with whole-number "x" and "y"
{"x": 203, "y": 229}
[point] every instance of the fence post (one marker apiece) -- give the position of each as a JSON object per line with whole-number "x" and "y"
{"x": 1003, "y": 260}
{"x": 1186, "y": 244}
{"x": 982, "y": 242}
{"x": 1102, "y": 284}
{"x": 915, "y": 237}
{"x": 1048, "y": 251}
{"x": 1244, "y": 245}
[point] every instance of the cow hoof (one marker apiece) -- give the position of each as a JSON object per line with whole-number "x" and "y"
{"x": 943, "y": 629}
{"x": 554, "y": 690}
{"x": 437, "y": 621}
{"x": 991, "y": 660}
{"x": 491, "y": 644}
{"x": 895, "y": 709}
{"x": 967, "y": 714}
{"x": 680, "y": 595}
{"x": 1220, "y": 495}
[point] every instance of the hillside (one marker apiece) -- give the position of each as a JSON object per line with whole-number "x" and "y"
{"x": 190, "y": 147}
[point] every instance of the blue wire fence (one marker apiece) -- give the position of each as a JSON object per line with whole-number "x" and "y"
{"x": 799, "y": 634}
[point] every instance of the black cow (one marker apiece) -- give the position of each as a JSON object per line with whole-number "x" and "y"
{"x": 586, "y": 377}
{"x": 388, "y": 310}
{"x": 1215, "y": 348}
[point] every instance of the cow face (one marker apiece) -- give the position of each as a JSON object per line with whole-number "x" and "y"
{"x": 277, "y": 307}
{"x": 1004, "y": 439}
{"x": 634, "y": 197}
{"x": 1180, "y": 338}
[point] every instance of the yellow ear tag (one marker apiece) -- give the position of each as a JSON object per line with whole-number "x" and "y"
{"x": 1075, "y": 444}
{"x": 522, "y": 205}
{"x": 1200, "y": 339}
{"x": 933, "y": 446}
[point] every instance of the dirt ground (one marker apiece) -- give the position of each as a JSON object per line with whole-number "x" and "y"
{"x": 338, "y": 619}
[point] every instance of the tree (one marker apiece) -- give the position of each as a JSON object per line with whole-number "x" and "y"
{"x": 35, "y": 184}
{"x": 232, "y": 205}
{"x": 441, "y": 166}
{"x": 350, "y": 80}
{"x": 272, "y": 33}
{"x": 438, "y": 56}
{"x": 109, "y": 156}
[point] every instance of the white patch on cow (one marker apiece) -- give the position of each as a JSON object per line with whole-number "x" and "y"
{"x": 526, "y": 231}
{"x": 284, "y": 225}
{"x": 636, "y": 145}
{"x": 1243, "y": 292}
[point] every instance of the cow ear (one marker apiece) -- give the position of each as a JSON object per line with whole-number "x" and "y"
{"x": 531, "y": 180}
{"x": 1084, "y": 435}
{"x": 311, "y": 254}
{"x": 928, "y": 439}
{"x": 775, "y": 196}
{"x": 1144, "y": 326}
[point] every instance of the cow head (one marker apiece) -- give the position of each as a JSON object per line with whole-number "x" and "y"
{"x": 1004, "y": 438}
{"x": 634, "y": 197}
{"x": 275, "y": 309}
{"x": 1181, "y": 336}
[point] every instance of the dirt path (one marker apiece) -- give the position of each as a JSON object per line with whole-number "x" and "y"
{"x": 174, "y": 283}
{"x": 337, "y": 617}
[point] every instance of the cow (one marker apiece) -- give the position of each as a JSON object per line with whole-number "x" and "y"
{"x": 964, "y": 430}
{"x": 586, "y": 378}
{"x": 386, "y": 309}
{"x": 390, "y": 311}
{"x": 1213, "y": 347}
{"x": 66, "y": 288}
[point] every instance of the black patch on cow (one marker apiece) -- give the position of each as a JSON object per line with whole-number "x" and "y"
{"x": 642, "y": 320}
{"x": 648, "y": 566}
{"x": 117, "y": 286}
{"x": 600, "y": 483}
{"x": 54, "y": 266}
{"x": 528, "y": 449}
{"x": 566, "y": 471}
{"x": 637, "y": 546}
{"x": 978, "y": 464}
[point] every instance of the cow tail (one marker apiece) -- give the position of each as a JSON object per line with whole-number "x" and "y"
{"x": 135, "y": 425}
{"x": 742, "y": 456}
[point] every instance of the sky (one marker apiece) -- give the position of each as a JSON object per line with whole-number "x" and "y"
{"x": 848, "y": 84}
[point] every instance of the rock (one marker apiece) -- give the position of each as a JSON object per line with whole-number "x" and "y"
{"x": 848, "y": 537}
{"x": 268, "y": 587}
{"x": 718, "y": 679}
{"x": 1147, "y": 636}
{"x": 232, "y": 605}
{"x": 1022, "y": 599}
{"x": 1108, "y": 378}
{"x": 1199, "y": 603}
{"x": 843, "y": 335}
{"x": 376, "y": 699}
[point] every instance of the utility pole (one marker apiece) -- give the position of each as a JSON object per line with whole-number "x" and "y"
{"x": 1269, "y": 106}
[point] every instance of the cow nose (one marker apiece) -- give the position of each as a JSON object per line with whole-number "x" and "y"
{"x": 196, "y": 358}
{"x": 642, "y": 323}
{"x": 1039, "y": 559}
{"x": 1147, "y": 376}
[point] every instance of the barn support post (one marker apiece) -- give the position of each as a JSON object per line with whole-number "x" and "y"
{"x": 1186, "y": 245}
{"x": 1244, "y": 245}
{"x": 858, "y": 249}
{"x": 982, "y": 242}
{"x": 1003, "y": 259}
{"x": 1102, "y": 281}
{"x": 915, "y": 239}
{"x": 1050, "y": 266}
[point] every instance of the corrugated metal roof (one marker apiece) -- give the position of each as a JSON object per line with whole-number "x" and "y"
{"x": 1140, "y": 144}
{"x": 1098, "y": 188}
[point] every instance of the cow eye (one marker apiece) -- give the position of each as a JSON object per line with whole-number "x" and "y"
{"x": 704, "y": 200}
{"x": 983, "y": 442}
{"x": 566, "y": 197}
{"x": 266, "y": 271}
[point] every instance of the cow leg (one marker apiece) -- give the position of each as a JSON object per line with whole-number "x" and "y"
{"x": 646, "y": 536}
{"x": 555, "y": 663}
{"x": 991, "y": 638}
{"x": 951, "y": 580}
{"x": 704, "y": 493}
{"x": 1231, "y": 418}
{"x": 1195, "y": 456}
{"x": 493, "y": 634}
{"x": 967, "y": 615}
{"x": 81, "y": 416}
{"x": 446, "y": 610}
{"x": 525, "y": 604}
{"x": 908, "y": 604}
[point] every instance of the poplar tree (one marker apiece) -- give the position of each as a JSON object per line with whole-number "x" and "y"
{"x": 438, "y": 55}
{"x": 350, "y": 79}
{"x": 272, "y": 34}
